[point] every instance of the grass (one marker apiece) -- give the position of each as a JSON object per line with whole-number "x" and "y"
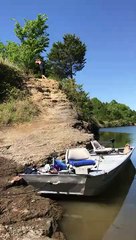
{"x": 10, "y": 65}
{"x": 15, "y": 105}
{"x": 17, "y": 111}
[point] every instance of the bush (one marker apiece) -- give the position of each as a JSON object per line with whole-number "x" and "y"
{"x": 17, "y": 112}
{"x": 11, "y": 80}
{"x": 79, "y": 97}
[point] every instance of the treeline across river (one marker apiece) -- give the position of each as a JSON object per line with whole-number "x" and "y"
{"x": 113, "y": 114}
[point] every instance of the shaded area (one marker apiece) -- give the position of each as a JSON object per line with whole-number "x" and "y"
{"x": 10, "y": 79}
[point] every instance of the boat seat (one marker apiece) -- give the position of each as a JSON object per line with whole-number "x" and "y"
{"x": 80, "y": 162}
{"x": 98, "y": 148}
{"x": 79, "y": 157}
{"x": 77, "y": 154}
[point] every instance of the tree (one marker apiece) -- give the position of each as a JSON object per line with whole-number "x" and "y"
{"x": 33, "y": 40}
{"x": 12, "y": 52}
{"x": 99, "y": 109}
{"x": 113, "y": 113}
{"x": 2, "y": 49}
{"x": 68, "y": 57}
{"x": 79, "y": 97}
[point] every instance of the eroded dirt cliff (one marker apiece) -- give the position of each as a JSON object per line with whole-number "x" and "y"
{"x": 23, "y": 214}
{"x": 51, "y": 130}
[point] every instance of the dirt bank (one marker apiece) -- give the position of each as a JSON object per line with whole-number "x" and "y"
{"x": 51, "y": 130}
{"x": 23, "y": 214}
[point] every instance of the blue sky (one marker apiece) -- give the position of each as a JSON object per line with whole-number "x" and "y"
{"x": 107, "y": 27}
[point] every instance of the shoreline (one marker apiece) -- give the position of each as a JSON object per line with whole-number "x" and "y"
{"x": 24, "y": 215}
{"x": 116, "y": 125}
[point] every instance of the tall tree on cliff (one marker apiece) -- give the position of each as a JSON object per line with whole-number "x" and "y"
{"x": 2, "y": 49}
{"x": 67, "y": 57}
{"x": 33, "y": 38}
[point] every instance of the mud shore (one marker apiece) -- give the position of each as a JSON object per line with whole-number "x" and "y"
{"x": 24, "y": 215}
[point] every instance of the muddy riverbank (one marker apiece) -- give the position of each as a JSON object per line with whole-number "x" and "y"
{"x": 23, "y": 213}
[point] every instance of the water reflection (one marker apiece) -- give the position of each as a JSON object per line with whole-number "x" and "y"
{"x": 89, "y": 218}
{"x": 120, "y": 138}
{"x": 127, "y": 129}
{"x": 122, "y": 135}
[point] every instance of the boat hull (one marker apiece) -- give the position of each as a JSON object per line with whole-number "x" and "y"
{"x": 73, "y": 184}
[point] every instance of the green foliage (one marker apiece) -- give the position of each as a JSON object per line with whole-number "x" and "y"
{"x": 113, "y": 113}
{"x": 33, "y": 33}
{"x": 12, "y": 52}
{"x": 64, "y": 60}
{"x": 2, "y": 49}
{"x": 17, "y": 111}
{"x": 79, "y": 97}
{"x": 33, "y": 42}
{"x": 11, "y": 80}
{"x": 34, "y": 39}
{"x": 68, "y": 57}
{"x": 15, "y": 105}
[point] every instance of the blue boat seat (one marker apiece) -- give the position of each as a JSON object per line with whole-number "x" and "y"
{"x": 78, "y": 157}
{"x": 80, "y": 163}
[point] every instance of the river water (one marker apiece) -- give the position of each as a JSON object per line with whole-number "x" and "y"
{"x": 90, "y": 218}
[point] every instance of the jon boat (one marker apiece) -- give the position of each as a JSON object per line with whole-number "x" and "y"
{"x": 83, "y": 172}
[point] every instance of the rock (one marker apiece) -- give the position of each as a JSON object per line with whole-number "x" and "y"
{"x": 4, "y": 235}
{"x": 2, "y": 229}
{"x": 23, "y": 213}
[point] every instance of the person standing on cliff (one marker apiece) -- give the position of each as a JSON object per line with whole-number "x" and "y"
{"x": 41, "y": 67}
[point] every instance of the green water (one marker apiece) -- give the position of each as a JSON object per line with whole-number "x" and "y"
{"x": 89, "y": 218}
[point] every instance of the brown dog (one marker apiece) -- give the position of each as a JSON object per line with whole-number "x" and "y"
{"x": 126, "y": 149}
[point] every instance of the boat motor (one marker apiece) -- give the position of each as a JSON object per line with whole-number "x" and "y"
{"x": 112, "y": 142}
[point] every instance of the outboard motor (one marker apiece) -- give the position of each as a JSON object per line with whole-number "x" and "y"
{"x": 112, "y": 142}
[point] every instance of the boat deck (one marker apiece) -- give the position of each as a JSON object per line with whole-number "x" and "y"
{"x": 108, "y": 162}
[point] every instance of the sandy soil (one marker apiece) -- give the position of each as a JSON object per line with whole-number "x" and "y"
{"x": 51, "y": 131}
{"x": 23, "y": 214}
